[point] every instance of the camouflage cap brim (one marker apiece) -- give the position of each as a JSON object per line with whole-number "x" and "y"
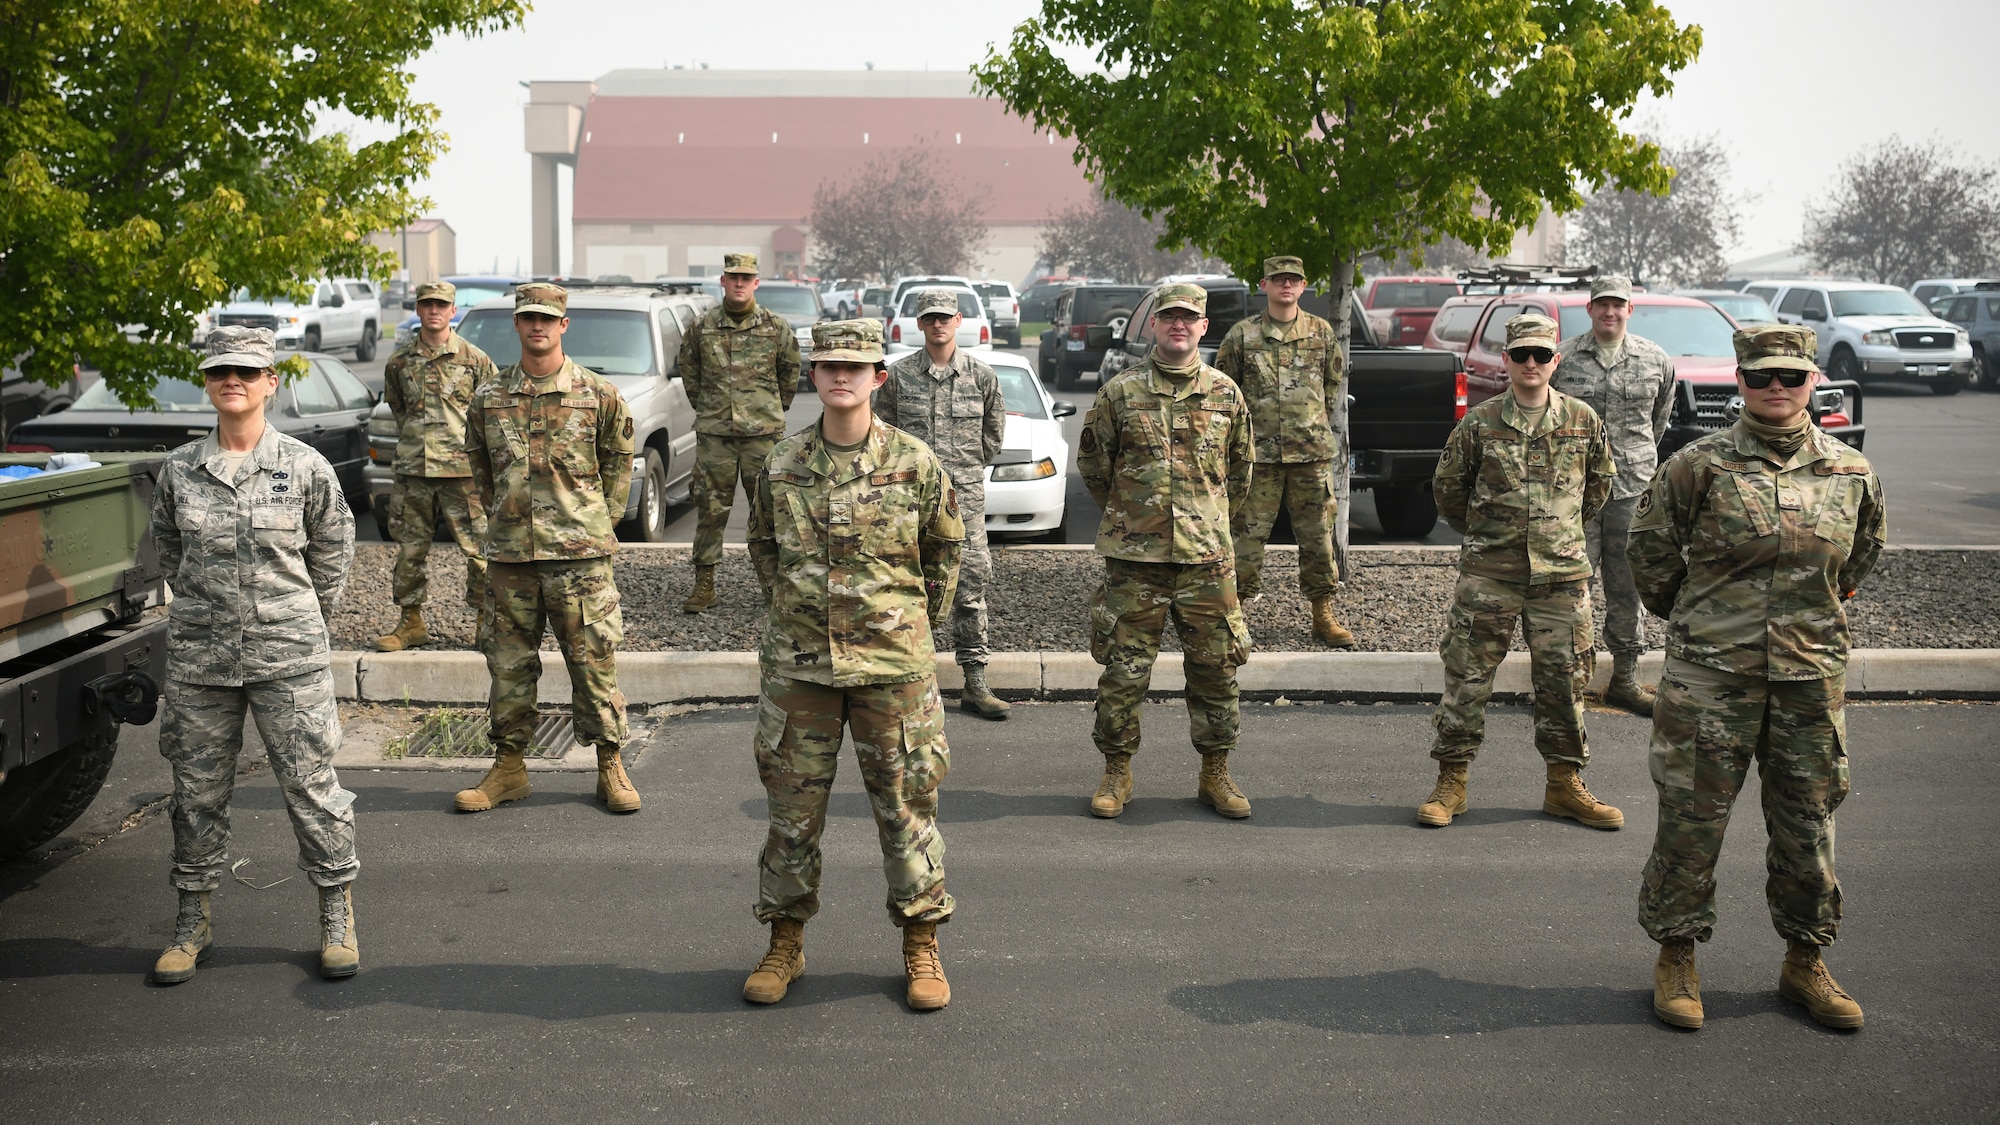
{"x": 539, "y": 307}
{"x": 847, "y": 355}
{"x": 251, "y": 360}
{"x": 1779, "y": 363}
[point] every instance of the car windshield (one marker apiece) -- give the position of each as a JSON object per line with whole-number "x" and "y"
{"x": 786, "y": 300}
{"x": 993, "y": 289}
{"x": 968, "y": 304}
{"x": 1414, "y": 294}
{"x": 1021, "y": 390}
{"x": 608, "y": 341}
{"x": 1747, "y": 308}
{"x": 1876, "y": 302}
{"x": 470, "y": 295}
{"x": 246, "y": 297}
{"x": 1680, "y": 329}
{"x": 171, "y": 396}
{"x": 1225, "y": 308}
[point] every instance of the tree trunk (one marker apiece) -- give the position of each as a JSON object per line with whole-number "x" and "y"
{"x": 1342, "y": 294}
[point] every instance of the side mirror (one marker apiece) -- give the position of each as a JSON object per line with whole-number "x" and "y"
{"x": 1097, "y": 337}
{"x": 1064, "y": 408}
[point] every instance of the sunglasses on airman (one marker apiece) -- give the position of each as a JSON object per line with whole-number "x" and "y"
{"x": 1524, "y": 355}
{"x": 1758, "y": 380}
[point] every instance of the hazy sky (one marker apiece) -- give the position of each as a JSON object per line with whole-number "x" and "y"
{"x": 1790, "y": 87}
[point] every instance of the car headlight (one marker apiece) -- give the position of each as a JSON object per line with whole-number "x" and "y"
{"x": 1879, "y": 336}
{"x": 1033, "y": 470}
{"x": 1962, "y": 337}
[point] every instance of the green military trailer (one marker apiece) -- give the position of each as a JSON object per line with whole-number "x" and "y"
{"x": 79, "y": 652}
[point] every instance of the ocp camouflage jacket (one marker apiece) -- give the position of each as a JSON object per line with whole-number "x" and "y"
{"x": 740, "y": 377}
{"x": 429, "y": 391}
{"x": 1521, "y": 493}
{"x": 554, "y": 467}
{"x": 1291, "y": 376}
{"x": 1167, "y": 464}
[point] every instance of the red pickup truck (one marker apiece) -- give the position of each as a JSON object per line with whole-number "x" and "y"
{"x": 1400, "y": 309}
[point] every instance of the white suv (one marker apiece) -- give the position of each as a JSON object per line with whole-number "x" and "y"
{"x": 1873, "y": 332}
{"x": 344, "y": 312}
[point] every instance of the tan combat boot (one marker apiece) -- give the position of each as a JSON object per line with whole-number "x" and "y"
{"x": 978, "y": 699}
{"x": 339, "y": 948}
{"x": 506, "y": 781}
{"x": 783, "y": 963}
{"x": 1624, "y": 690}
{"x": 1327, "y": 630}
{"x": 1566, "y": 796}
{"x": 613, "y": 787}
{"x": 1804, "y": 980}
{"x": 194, "y": 937}
{"x": 704, "y": 590}
{"x": 928, "y": 990}
{"x": 1216, "y": 789}
{"x": 1447, "y": 797}
{"x": 1114, "y": 788}
{"x": 409, "y": 632}
{"x": 1677, "y": 985}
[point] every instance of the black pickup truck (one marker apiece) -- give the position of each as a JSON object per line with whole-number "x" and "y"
{"x": 1402, "y": 402}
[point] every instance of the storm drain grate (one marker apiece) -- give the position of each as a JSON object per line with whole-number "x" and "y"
{"x": 554, "y": 735}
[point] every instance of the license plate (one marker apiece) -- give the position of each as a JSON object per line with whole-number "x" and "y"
{"x": 1073, "y": 345}
{"x": 1927, "y": 368}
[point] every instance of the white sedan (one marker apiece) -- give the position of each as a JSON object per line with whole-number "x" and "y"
{"x": 975, "y": 331}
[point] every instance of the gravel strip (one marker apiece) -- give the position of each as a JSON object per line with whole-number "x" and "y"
{"x": 1040, "y": 601}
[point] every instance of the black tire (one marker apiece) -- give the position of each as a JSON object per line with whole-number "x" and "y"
{"x": 365, "y": 350}
{"x": 650, "y": 525}
{"x": 41, "y": 799}
{"x": 1843, "y": 365}
{"x": 1067, "y": 377}
{"x": 1983, "y": 375}
{"x": 1949, "y": 385}
{"x": 1407, "y": 511}
{"x": 310, "y": 343}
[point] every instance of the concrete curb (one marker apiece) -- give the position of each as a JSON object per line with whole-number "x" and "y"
{"x": 697, "y": 677}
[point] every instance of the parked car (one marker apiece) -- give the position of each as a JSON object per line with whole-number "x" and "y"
{"x": 900, "y": 288}
{"x": 472, "y": 290}
{"x": 1066, "y": 354}
{"x": 1451, "y": 329}
{"x": 1038, "y": 301}
{"x": 1743, "y": 308}
{"x": 842, "y": 296}
{"x": 1003, "y": 308}
{"x": 1978, "y": 313}
{"x": 1403, "y": 402}
{"x": 1695, "y": 333}
{"x": 327, "y": 409}
{"x": 799, "y": 304}
{"x": 1400, "y": 309}
{"x": 975, "y": 331}
{"x": 874, "y": 302}
{"x": 631, "y": 335}
{"x": 690, "y": 284}
{"x": 1873, "y": 332}
{"x": 1930, "y": 289}
{"x": 22, "y": 398}
{"x": 343, "y": 312}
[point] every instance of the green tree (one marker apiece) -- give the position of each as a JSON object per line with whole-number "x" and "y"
{"x": 1337, "y": 130}
{"x": 155, "y": 156}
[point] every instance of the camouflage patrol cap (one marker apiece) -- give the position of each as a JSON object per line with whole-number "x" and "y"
{"x": 1611, "y": 285}
{"x": 1776, "y": 347}
{"x": 541, "y": 297}
{"x": 1282, "y": 265}
{"x": 850, "y": 341}
{"x": 1181, "y": 296}
{"x": 233, "y": 346}
{"x": 438, "y": 291}
{"x": 740, "y": 263}
{"x": 937, "y": 301}
{"x": 1531, "y": 330}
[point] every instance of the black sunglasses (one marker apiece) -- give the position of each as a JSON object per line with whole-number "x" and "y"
{"x": 1523, "y": 355}
{"x": 1758, "y": 380}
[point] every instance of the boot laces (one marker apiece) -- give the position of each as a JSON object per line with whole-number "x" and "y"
{"x": 1445, "y": 791}
{"x": 1682, "y": 961}
{"x": 922, "y": 962}
{"x": 779, "y": 959}
{"x": 1823, "y": 982}
{"x": 333, "y": 917}
{"x": 187, "y": 923}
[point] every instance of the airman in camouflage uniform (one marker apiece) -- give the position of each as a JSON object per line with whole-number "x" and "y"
{"x": 428, "y": 385}
{"x": 550, "y": 444}
{"x": 1629, "y": 381}
{"x": 740, "y": 366}
{"x": 1289, "y": 366}
{"x": 255, "y": 538}
{"x": 951, "y": 401}
{"x": 1519, "y": 478}
{"x": 855, "y": 528}
{"x": 1748, "y": 543}
{"x": 1167, "y": 453}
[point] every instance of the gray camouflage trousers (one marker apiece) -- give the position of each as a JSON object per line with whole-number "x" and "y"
{"x": 201, "y": 735}
{"x": 414, "y": 508}
{"x": 899, "y": 742}
{"x": 1606, "y": 538}
{"x": 975, "y": 573}
{"x": 1127, "y": 618}
{"x": 1556, "y": 618}
{"x": 1708, "y": 726}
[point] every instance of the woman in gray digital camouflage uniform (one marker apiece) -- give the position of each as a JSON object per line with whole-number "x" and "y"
{"x": 255, "y": 538}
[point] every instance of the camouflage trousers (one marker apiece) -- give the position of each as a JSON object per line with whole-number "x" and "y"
{"x": 1606, "y": 537}
{"x": 414, "y": 508}
{"x": 719, "y": 463}
{"x": 1708, "y": 726}
{"x": 201, "y": 736}
{"x": 975, "y": 573}
{"x": 1129, "y": 613}
{"x": 576, "y": 600}
{"x": 899, "y": 742}
{"x": 1304, "y": 489}
{"x": 1556, "y": 618}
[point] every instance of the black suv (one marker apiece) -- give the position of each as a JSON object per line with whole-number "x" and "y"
{"x": 21, "y": 398}
{"x": 1229, "y": 301}
{"x": 1066, "y": 351}
{"x": 1977, "y": 310}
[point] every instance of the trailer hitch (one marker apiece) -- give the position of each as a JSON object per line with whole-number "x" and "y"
{"x": 128, "y": 697}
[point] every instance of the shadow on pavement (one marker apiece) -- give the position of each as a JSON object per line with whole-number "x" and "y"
{"x": 24, "y": 958}
{"x": 382, "y": 799}
{"x": 967, "y": 806}
{"x": 578, "y": 992}
{"x": 1422, "y": 1002}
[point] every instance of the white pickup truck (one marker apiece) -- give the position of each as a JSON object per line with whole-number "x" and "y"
{"x": 842, "y": 296}
{"x": 344, "y": 312}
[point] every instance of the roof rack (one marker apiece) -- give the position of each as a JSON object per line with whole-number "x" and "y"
{"x": 1986, "y": 286}
{"x": 1511, "y": 277}
{"x": 574, "y": 283}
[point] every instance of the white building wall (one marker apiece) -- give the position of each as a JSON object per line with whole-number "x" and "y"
{"x": 646, "y": 250}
